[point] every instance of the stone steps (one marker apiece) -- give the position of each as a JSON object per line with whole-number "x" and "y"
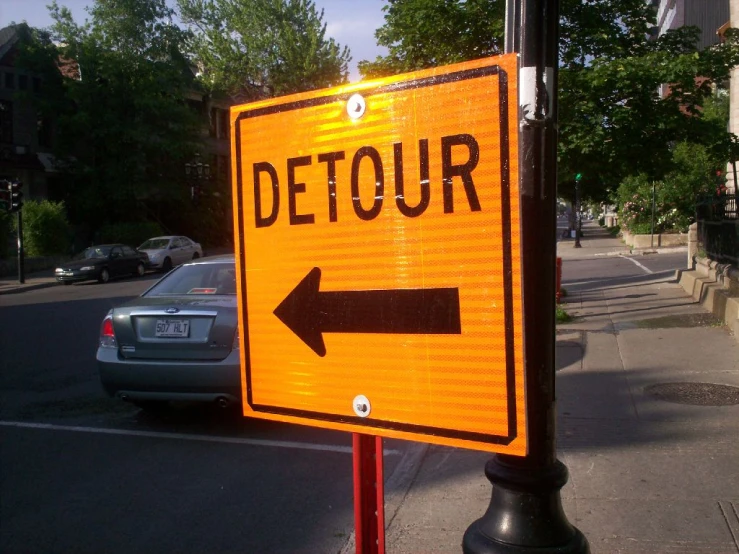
{"x": 716, "y": 287}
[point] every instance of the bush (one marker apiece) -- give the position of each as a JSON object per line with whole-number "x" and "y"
{"x": 131, "y": 233}
{"x": 561, "y": 315}
{"x": 694, "y": 174}
{"x": 46, "y": 231}
{"x": 635, "y": 201}
{"x": 642, "y": 228}
{"x": 602, "y": 221}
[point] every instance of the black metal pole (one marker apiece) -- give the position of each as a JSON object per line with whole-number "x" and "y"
{"x": 653, "y": 208}
{"x": 578, "y": 225}
{"x": 525, "y": 514}
{"x": 21, "y": 268}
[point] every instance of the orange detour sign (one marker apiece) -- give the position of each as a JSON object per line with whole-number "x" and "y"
{"x": 377, "y": 250}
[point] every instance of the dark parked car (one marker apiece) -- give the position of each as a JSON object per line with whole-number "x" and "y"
{"x": 177, "y": 341}
{"x": 102, "y": 263}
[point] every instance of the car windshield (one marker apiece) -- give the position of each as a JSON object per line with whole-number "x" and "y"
{"x": 209, "y": 278}
{"x": 93, "y": 252}
{"x": 154, "y": 244}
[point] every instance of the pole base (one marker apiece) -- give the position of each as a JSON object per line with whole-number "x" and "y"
{"x": 525, "y": 514}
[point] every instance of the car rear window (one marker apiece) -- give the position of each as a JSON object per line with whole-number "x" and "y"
{"x": 209, "y": 278}
{"x": 154, "y": 244}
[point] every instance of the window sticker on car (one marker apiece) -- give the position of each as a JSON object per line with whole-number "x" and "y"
{"x": 202, "y": 290}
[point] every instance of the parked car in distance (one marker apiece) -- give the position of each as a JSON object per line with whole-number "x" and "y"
{"x": 102, "y": 263}
{"x": 166, "y": 252}
{"x": 178, "y": 341}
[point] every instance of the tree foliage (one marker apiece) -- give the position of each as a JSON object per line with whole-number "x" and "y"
{"x": 46, "y": 231}
{"x": 427, "y": 33}
{"x": 119, "y": 105}
{"x": 613, "y": 121}
{"x": 262, "y": 48}
{"x": 695, "y": 171}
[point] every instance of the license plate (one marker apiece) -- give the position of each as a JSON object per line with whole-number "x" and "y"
{"x": 172, "y": 328}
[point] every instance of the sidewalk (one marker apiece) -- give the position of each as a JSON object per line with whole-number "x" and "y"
{"x": 37, "y": 280}
{"x": 42, "y": 279}
{"x": 647, "y": 476}
{"x": 598, "y": 241}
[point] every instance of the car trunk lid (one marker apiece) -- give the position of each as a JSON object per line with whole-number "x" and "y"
{"x": 190, "y": 331}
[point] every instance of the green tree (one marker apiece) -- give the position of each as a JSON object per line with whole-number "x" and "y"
{"x": 46, "y": 231}
{"x": 123, "y": 126}
{"x": 262, "y": 48}
{"x": 613, "y": 121}
{"x": 427, "y": 33}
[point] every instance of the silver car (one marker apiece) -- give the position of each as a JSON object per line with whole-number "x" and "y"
{"x": 177, "y": 341}
{"x": 168, "y": 251}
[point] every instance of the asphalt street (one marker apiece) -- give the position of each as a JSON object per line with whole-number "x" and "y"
{"x": 82, "y": 472}
{"x": 85, "y": 473}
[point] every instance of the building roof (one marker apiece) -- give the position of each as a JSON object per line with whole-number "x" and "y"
{"x": 8, "y": 37}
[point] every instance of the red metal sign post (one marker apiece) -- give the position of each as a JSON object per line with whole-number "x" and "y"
{"x": 369, "y": 494}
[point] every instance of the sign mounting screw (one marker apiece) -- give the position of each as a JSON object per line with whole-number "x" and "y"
{"x": 356, "y": 106}
{"x": 361, "y": 405}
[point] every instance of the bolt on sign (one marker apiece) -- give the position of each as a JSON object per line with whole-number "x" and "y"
{"x": 378, "y": 255}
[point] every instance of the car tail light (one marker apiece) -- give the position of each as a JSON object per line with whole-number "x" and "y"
{"x": 107, "y": 333}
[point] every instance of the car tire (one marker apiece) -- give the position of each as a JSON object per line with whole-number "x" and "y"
{"x": 166, "y": 265}
{"x": 140, "y": 270}
{"x": 195, "y": 256}
{"x": 104, "y": 276}
{"x": 67, "y": 283}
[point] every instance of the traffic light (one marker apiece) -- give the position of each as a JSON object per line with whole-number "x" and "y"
{"x": 578, "y": 177}
{"x": 16, "y": 197}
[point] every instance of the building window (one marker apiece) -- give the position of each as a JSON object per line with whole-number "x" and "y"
{"x": 6, "y": 121}
{"x": 9, "y": 80}
{"x": 23, "y": 82}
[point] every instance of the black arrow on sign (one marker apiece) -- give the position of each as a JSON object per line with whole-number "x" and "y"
{"x": 309, "y": 313}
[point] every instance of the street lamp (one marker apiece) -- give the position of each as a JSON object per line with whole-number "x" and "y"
{"x": 653, "y": 209}
{"x": 195, "y": 172}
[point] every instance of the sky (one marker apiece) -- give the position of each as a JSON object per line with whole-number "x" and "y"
{"x": 351, "y": 23}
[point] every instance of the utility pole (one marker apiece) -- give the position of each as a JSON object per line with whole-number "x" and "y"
{"x": 525, "y": 514}
{"x": 578, "y": 211}
{"x": 654, "y": 202}
{"x": 21, "y": 256}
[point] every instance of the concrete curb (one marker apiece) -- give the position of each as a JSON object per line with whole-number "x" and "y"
{"x": 19, "y": 288}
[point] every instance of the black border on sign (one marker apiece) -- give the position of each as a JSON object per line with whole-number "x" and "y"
{"x": 506, "y": 244}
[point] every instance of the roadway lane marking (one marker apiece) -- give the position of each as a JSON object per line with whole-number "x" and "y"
{"x": 183, "y": 436}
{"x": 645, "y": 268}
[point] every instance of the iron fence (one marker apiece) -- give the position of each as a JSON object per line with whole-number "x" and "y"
{"x": 718, "y": 227}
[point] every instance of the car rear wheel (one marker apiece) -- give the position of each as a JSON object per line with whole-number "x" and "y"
{"x": 166, "y": 264}
{"x": 140, "y": 270}
{"x": 195, "y": 256}
{"x": 104, "y": 276}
